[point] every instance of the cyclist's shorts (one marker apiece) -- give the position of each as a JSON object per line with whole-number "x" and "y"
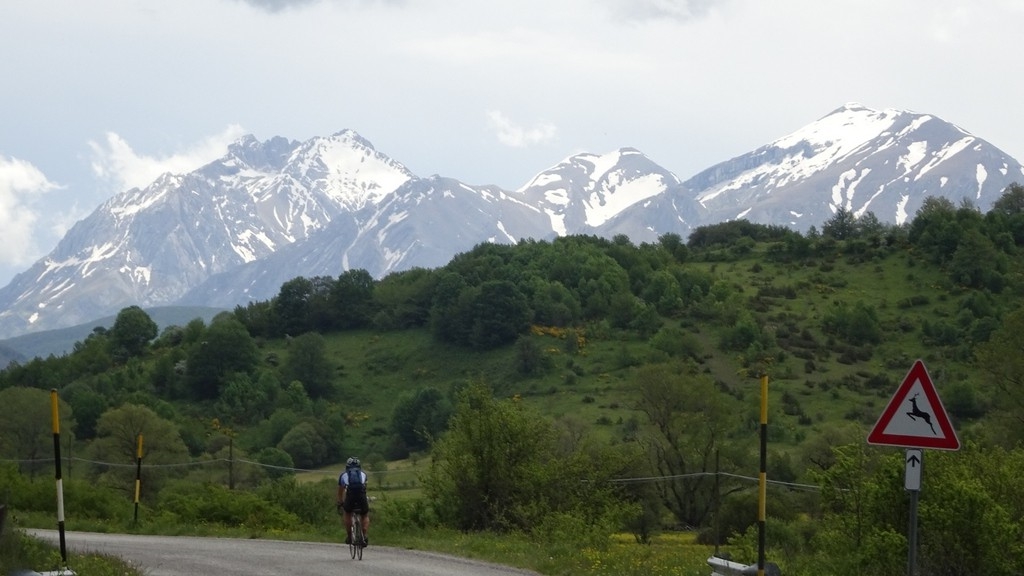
{"x": 356, "y": 502}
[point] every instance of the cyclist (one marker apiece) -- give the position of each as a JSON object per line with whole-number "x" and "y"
{"x": 352, "y": 497}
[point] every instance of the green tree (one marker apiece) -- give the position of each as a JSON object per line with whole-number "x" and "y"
{"x": 270, "y": 431}
{"x": 499, "y": 314}
{"x": 744, "y": 331}
{"x": 935, "y": 229}
{"x": 1003, "y": 365}
{"x": 673, "y": 244}
{"x": 663, "y": 292}
{"x": 258, "y": 318}
{"x": 857, "y": 324}
{"x": 352, "y": 299}
{"x": 841, "y": 226}
{"x": 305, "y": 445}
{"x": 403, "y": 299}
{"x": 676, "y": 342}
{"x": 307, "y": 362}
{"x": 968, "y": 522}
{"x": 869, "y": 226}
{"x": 863, "y": 528}
{"x": 977, "y": 263}
{"x": 167, "y": 374}
{"x": 967, "y": 513}
{"x": 132, "y": 332}
{"x": 484, "y": 317}
{"x": 448, "y": 311}
{"x": 26, "y": 426}
{"x": 92, "y": 355}
{"x": 88, "y": 405}
{"x": 494, "y": 469}
{"x": 295, "y": 398}
{"x": 321, "y": 312}
{"x": 1007, "y": 214}
{"x": 690, "y": 422}
{"x": 420, "y": 417}
{"x": 278, "y": 462}
{"x": 117, "y": 437}
{"x": 623, "y": 309}
{"x": 553, "y": 304}
{"x": 243, "y": 401}
{"x": 226, "y": 348}
{"x": 530, "y": 358}
{"x": 292, "y": 306}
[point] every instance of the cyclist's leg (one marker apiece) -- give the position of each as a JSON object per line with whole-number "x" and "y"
{"x": 348, "y": 523}
{"x": 366, "y": 518}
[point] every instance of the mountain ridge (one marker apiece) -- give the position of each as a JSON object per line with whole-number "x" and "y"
{"x": 237, "y": 228}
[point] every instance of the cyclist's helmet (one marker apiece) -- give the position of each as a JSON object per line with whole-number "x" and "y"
{"x": 352, "y": 462}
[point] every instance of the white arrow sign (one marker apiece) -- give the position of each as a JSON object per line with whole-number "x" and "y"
{"x": 915, "y": 459}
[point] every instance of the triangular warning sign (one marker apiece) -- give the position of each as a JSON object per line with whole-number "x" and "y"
{"x": 915, "y": 417}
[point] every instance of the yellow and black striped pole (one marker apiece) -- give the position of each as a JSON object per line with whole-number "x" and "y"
{"x": 762, "y": 477}
{"x": 138, "y": 477}
{"x": 60, "y": 482}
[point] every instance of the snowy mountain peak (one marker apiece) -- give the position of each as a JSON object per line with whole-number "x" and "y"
{"x": 845, "y": 129}
{"x": 886, "y": 162}
{"x": 268, "y": 211}
{"x": 149, "y": 246}
{"x": 346, "y": 168}
{"x": 249, "y": 152}
{"x": 587, "y": 189}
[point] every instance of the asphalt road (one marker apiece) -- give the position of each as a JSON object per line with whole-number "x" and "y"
{"x": 190, "y": 556}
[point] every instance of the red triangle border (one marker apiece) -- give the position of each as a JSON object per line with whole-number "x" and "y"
{"x": 949, "y": 441}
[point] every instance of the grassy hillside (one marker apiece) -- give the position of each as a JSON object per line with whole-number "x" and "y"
{"x": 835, "y": 326}
{"x": 817, "y": 381}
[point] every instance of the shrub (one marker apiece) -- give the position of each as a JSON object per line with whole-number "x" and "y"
{"x": 312, "y": 503}
{"x": 208, "y": 503}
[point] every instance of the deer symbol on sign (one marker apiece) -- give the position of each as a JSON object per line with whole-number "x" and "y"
{"x": 916, "y": 413}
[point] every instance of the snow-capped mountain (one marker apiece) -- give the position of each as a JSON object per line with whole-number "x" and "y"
{"x": 235, "y": 230}
{"x": 586, "y": 190}
{"x": 886, "y": 162}
{"x": 150, "y": 246}
{"x": 422, "y": 224}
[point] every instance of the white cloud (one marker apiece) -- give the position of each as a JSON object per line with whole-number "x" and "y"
{"x": 283, "y": 5}
{"x": 516, "y": 136}
{"x": 115, "y": 162}
{"x": 655, "y": 9}
{"x": 278, "y": 5}
{"x": 20, "y": 185}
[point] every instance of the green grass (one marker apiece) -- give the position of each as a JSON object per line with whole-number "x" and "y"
{"x": 667, "y": 554}
{"x": 591, "y": 387}
{"x": 20, "y": 552}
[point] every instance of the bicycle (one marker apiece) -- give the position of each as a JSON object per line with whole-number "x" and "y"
{"x": 358, "y": 540}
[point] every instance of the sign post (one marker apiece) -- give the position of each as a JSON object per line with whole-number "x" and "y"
{"x": 914, "y": 459}
{"x": 914, "y": 419}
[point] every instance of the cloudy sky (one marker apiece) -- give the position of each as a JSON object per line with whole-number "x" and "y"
{"x": 105, "y": 95}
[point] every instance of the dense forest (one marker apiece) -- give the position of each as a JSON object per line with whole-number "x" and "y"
{"x": 541, "y": 385}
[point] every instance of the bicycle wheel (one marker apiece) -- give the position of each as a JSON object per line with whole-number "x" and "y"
{"x": 357, "y": 535}
{"x": 351, "y": 535}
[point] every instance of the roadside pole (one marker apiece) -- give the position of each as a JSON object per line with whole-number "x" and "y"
{"x": 55, "y": 417}
{"x": 762, "y": 478}
{"x": 138, "y": 478}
